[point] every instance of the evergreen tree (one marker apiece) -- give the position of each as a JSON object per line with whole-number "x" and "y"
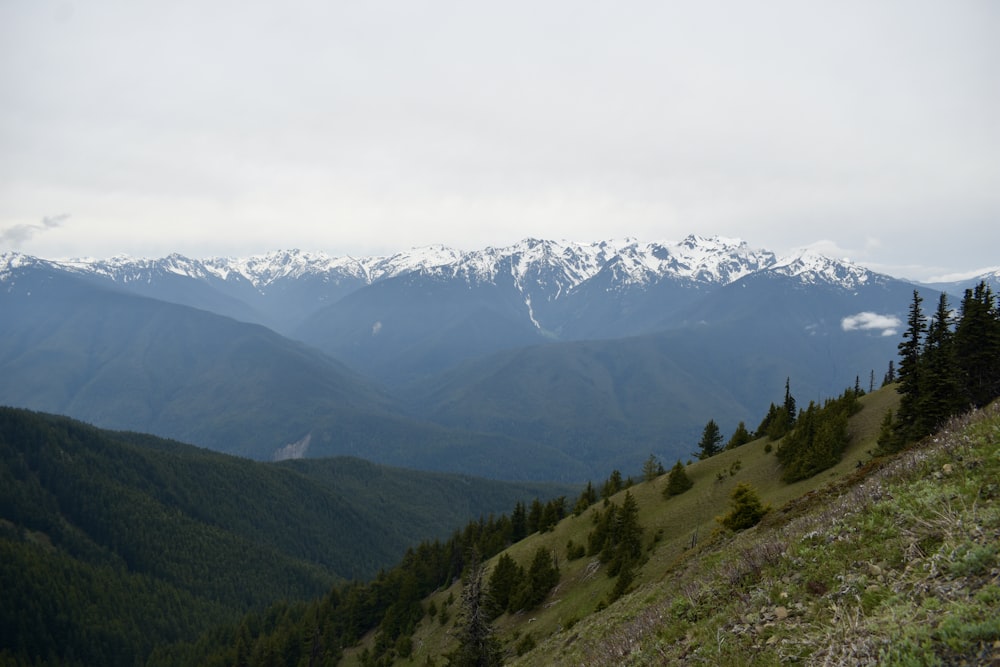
{"x": 941, "y": 389}
{"x": 535, "y": 516}
{"x": 977, "y": 345}
{"x": 890, "y": 375}
{"x": 624, "y": 548}
{"x": 746, "y": 510}
{"x": 612, "y": 485}
{"x": 477, "y": 645}
{"x": 789, "y": 403}
{"x": 504, "y": 582}
{"x": 541, "y": 578}
{"x": 677, "y": 482}
{"x": 741, "y": 436}
{"x": 519, "y": 522}
{"x": 910, "y": 350}
{"x": 587, "y": 498}
{"x": 652, "y": 468}
{"x": 711, "y": 441}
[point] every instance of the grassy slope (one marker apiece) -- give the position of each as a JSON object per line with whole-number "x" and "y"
{"x": 817, "y": 579}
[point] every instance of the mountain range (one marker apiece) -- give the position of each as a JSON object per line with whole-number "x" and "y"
{"x": 542, "y": 360}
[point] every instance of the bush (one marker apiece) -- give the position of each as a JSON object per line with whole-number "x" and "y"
{"x": 746, "y": 510}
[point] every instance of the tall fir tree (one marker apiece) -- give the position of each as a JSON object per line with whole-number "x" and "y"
{"x": 790, "y": 403}
{"x": 711, "y": 441}
{"x": 941, "y": 391}
{"x": 977, "y": 345}
{"x": 909, "y": 371}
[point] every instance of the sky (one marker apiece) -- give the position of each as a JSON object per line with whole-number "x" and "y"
{"x": 865, "y": 130}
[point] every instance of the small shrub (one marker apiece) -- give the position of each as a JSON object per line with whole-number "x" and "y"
{"x": 746, "y": 510}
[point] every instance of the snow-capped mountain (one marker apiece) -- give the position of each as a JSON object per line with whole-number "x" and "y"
{"x": 538, "y": 268}
{"x": 574, "y": 347}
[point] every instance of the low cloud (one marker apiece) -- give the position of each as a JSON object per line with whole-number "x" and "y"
{"x": 18, "y": 234}
{"x": 868, "y": 321}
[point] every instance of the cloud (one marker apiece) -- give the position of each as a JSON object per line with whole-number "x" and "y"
{"x": 18, "y": 234}
{"x": 868, "y": 321}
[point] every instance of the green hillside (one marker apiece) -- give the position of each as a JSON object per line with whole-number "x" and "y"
{"x": 113, "y": 543}
{"x": 836, "y": 560}
{"x": 670, "y": 527}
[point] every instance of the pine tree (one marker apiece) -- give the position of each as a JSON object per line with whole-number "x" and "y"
{"x": 741, "y": 436}
{"x": 746, "y": 510}
{"x": 789, "y": 403}
{"x": 977, "y": 345}
{"x": 504, "y": 581}
{"x": 677, "y": 481}
{"x": 910, "y": 351}
{"x": 711, "y": 441}
{"x": 890, "y": 375}
{"x": 587, "y": 498}
{"x": 626, "y": 539}
{"x": 541, "y": 577}
{"x": 477, "y": 645}
{"x": 652, "y": 468}
{"x": 941, "y": 389}
{"x": 519, "y": 522}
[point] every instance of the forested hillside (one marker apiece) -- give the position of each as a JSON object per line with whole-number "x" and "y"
{"x": 114, "y": 543}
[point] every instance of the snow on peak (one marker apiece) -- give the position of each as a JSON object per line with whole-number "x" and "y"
{"x": 544, "y": 269}
{"x": 812, "y": 268}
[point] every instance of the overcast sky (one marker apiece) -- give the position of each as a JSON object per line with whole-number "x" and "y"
{"x": 866, "y": 129}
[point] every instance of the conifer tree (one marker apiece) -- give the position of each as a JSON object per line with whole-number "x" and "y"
{"x": 504, "y": 581}
{"x": 677, "y": 481}
{"x": 746, "y": 509}
{"x": 910, "y": 350}
{"x": 711, "y": 440}
{"x": 741, "y": 436}
{"x": 652, "y": 468}
{"x": 624, "y": 548}
{"x": 977, "y": 345}
{"x": 941, "y": 390}
{"x": 789, "y": 403}
{"x": 587, "y": 498}
{"x": 477, "y": 645}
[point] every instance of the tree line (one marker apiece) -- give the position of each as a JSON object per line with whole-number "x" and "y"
{"x": 948, "y": 363}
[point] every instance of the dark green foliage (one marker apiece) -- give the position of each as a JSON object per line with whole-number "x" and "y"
{"x": 477, "y": 645}
{"x": 587, "y": 498}
{"x": 741, "y": 436}
{"x": 112, "y": 544}
{"x": 575, "y": 551}
{"x": 745, "y": 511}
{"x": 977, "y": 345}
{"x": 504, "y": 582}
{"x": 945, "y": 367}
{"x": 553, "y": 512}
{"x": 617, "y": 535}
{"x": 776, "y": 423}
{"x": 677, "y": 481}
{"x": 819, "y": 438}
{"x": 941, "y": 393}
{"x": 612, "y": 485}
{"x": 890, "y": 375}
{"x": 910, "y": 372}
{"x": 711, "y": 441}
{"x": 789, "y": 404}
{"x": 541, "y": 577}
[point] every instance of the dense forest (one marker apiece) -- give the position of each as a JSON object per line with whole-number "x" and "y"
{"x": 114, "y": 543}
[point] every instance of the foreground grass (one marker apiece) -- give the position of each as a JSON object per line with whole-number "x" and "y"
{"x": 897, "y": 564}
